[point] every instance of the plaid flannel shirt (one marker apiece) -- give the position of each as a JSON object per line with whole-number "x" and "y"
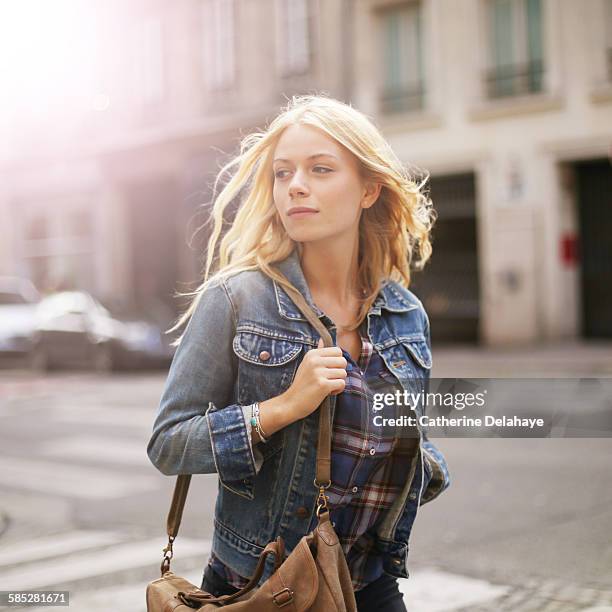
{"x": 368, "y": 469}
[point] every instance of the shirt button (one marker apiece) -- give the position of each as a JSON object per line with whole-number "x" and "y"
{"x": 264, "y": 355}
{"x": 302, "y": 512}
{"x": 372, "y": 451}
{"x": 413, "y": 495}
{"x": 396, "y": 561}
{"x": 355, "y": 489}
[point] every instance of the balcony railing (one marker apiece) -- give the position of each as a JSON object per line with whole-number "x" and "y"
{"x": 404, "y": 99}
{"x": 514, "y": 79}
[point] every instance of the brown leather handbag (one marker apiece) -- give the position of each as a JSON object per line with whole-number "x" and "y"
{"x": 314, "y": 577}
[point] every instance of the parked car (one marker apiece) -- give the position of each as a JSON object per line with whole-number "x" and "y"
{"x": 75, "y": 329}
{"x": 18, "y": 304}
{"x": 141, "y": 340}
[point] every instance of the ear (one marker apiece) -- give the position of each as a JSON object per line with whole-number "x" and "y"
{"x": 371, "y": 193}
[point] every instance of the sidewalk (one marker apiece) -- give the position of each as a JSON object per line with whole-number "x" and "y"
{"x": 429, "y": 590}
{"x": 549, "y": 596}
{"x": 568, "y": 359}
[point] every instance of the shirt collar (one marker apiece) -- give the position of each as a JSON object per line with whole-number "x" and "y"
{"x": 389, "y": 297}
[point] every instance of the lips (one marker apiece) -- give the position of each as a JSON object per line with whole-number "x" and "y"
{"x": 301, "y": 210}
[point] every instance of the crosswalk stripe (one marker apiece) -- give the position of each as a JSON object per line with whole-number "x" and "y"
{"x": 80, "y": 566}
{"x": 102, "y": 449}
{"x": 103, "y": 415}
{"x": 427, "y": 590}
{"x": 125, "y": 598}
{"x": 69, "y": 480}
{"x": 54, "y": 545}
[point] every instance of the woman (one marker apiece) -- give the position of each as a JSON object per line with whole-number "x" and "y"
{"x": 329, "y": 206}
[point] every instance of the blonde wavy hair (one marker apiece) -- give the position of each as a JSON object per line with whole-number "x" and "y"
{"x": 394, "y": 233}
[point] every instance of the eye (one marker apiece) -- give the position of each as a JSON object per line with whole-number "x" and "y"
{"x": 279, "y": 173}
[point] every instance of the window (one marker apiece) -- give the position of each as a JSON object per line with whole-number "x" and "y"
{"x": 401, "y": 41}
{"x": 516, "y": 57}
{"x": 293, "y": 36}
{"x": 218, "y": 40}
{"x": 148, "y": 60}
{"x": 608, "y": 18}
{"x": 59, "y": 243}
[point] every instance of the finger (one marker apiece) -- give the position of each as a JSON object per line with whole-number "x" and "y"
{"x": 340, "y": 389}
{"x": 331, "y": 373}
{"x": 334, "y": 362}
{"x": 330, "y": 351}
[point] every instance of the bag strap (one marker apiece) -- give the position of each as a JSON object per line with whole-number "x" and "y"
{"x": 323, "y": 473}
{"x": 324, "y": 444}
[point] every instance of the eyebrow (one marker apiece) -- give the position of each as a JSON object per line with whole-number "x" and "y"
{"x": 279, "y": 159}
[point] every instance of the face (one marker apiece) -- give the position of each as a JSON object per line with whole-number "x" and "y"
{"x": 328, "y": 185}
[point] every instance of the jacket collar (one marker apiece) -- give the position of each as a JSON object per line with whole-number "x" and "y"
{"x": 389, "y": 297}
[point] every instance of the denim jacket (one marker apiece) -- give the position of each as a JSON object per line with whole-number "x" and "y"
{"x": 243, "y": 344}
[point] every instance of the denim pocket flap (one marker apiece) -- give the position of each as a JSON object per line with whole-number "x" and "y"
{"x": 265, "y": 347}
{"x": 419, "y": 350}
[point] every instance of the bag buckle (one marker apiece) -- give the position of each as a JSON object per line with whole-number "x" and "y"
{"x": 168, "y": 554}
{"x": 286, "y": 597}
{"x": 322, "y": 498}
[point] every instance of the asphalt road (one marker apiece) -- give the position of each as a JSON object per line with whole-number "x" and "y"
{"x": 526, "y": 524}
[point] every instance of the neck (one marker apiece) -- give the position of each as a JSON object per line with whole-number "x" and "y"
{"x": 331, "y": 271}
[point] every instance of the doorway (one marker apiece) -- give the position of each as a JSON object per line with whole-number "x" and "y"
{"x": 594, "y": 194}
{"x": 448, "y": 285}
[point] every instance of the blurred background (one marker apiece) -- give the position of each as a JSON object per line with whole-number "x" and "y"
{"x": 115, "y": 117}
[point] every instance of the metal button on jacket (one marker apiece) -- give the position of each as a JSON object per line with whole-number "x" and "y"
{"x": 302, "y": 512}
{"x": 264, "y": 355}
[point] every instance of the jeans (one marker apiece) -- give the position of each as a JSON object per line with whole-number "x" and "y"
{"x": 382, "y": 595}
{"x": 215, "y": 585}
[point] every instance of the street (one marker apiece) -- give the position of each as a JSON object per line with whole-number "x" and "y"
{"x": 525, "y": 525}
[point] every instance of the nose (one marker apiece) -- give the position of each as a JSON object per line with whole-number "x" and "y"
{"x": 297, "y": 187}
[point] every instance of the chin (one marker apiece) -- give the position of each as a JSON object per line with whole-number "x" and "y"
{"x": 308, "y": 235}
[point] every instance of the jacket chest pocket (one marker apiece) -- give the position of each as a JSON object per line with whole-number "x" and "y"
{"x": 267, "y": 362}
{"x": 409, "y": 356}
{"x": 409, "y": 360}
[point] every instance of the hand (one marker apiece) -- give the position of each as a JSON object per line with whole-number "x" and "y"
{"x": 322, "y": 372}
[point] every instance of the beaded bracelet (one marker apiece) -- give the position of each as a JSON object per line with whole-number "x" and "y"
{"x": 256, "y": 423}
